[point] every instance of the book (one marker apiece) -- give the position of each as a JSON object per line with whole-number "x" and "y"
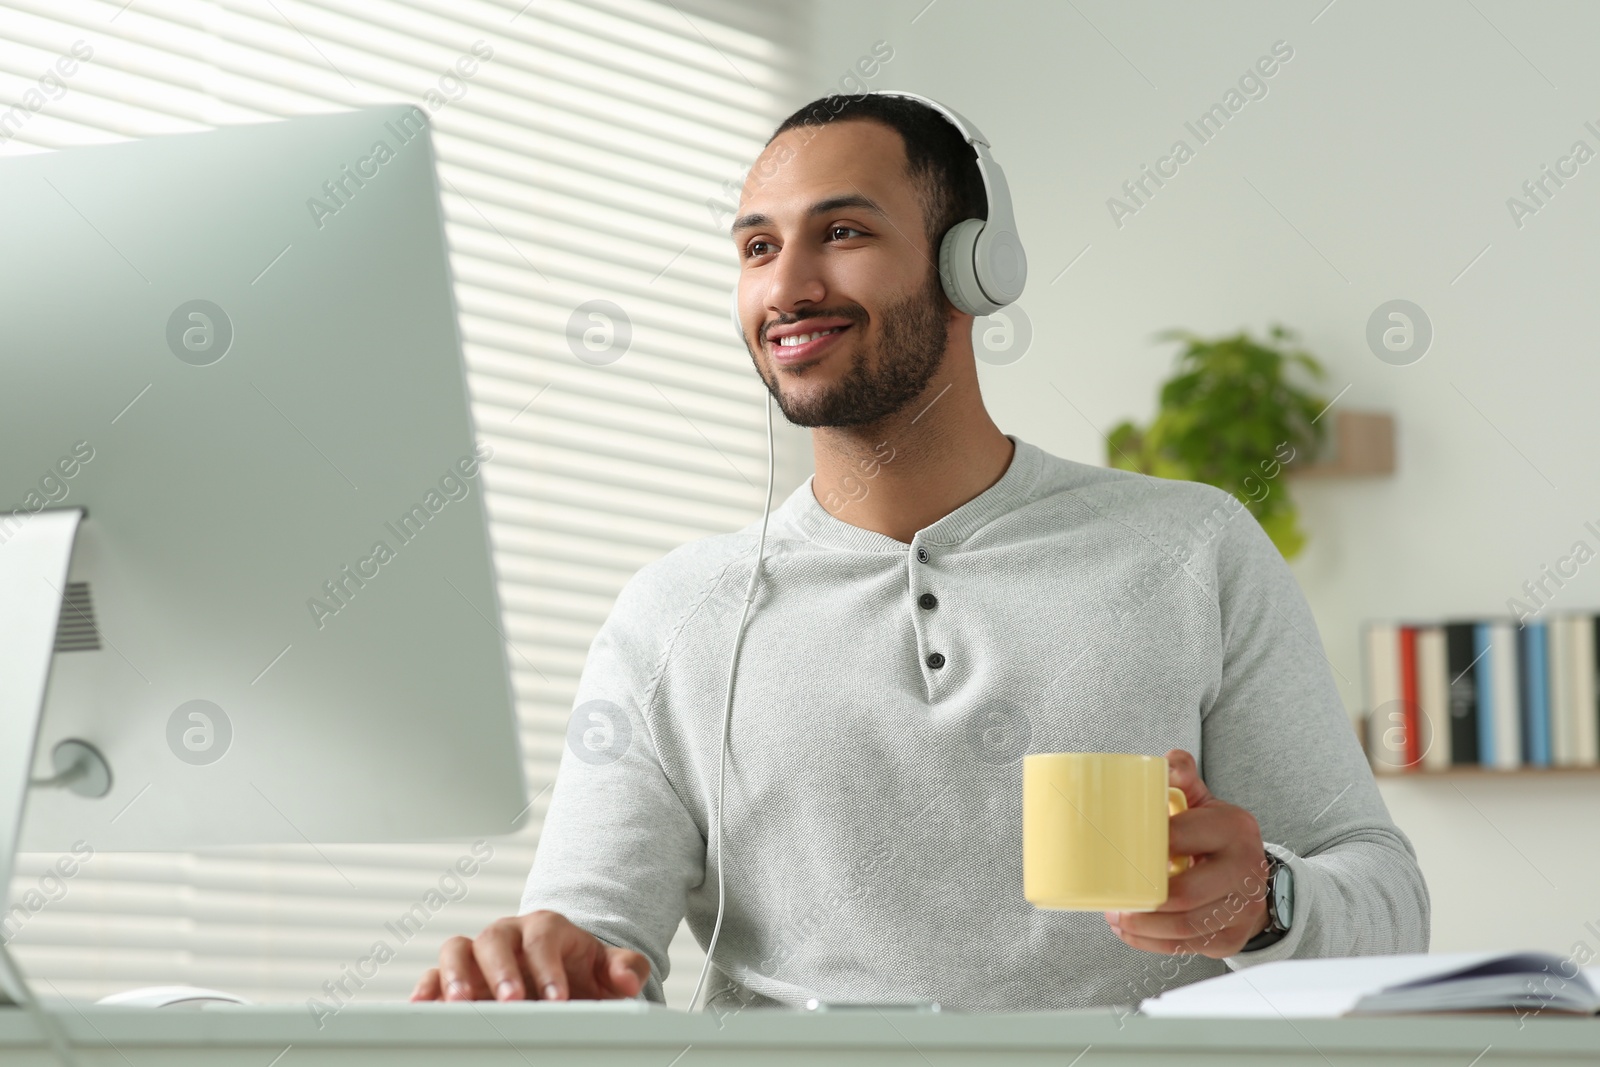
{"x": 1505, "y": 698}
{"x": 1585, "y": 705}
{"x": 1459, "y": 656}
{"x": 1521, "y": 982}
{"x": 1411, "y": 754}
{"x": 1433, "y": 698}
{"x": 1484, "y": 666}
{"x": 1532, "y": 673}
{"x": 1385, "y": 727}
{"x": 1563, "y": 719}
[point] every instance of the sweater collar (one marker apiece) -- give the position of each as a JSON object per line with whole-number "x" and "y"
{"x": 1015, "y": 488}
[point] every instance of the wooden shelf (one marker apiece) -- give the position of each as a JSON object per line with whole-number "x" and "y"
{"x": 1360, "y": 444}
{"x": 1482, "y": 772}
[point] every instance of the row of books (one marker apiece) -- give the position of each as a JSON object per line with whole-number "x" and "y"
{"x": 1499, "y": 693}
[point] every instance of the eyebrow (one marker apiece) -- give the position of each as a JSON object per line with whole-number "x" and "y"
{"x": 821, "y": 207}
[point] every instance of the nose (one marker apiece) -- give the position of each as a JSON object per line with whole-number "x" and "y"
{"x": 794, "y": 281}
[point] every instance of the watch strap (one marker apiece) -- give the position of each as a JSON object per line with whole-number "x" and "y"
{"x": 1275, "y": 930}
{"x": 1264, "y": 939}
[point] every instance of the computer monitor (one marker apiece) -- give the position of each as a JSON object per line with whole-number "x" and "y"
{"x": 237, "y": 353}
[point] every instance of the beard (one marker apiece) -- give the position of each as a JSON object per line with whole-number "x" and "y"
{"x": 911, "y": 345}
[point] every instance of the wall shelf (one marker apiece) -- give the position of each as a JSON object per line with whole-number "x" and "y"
{"x": 1389, "y": 775}
{"x": 1359, "y": 444}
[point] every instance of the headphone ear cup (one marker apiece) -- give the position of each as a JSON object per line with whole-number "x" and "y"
{"x": 958, "y": 269}
{"x": 1001, "y": 264}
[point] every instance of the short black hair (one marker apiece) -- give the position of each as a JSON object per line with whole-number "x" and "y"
{"x": 939, "y": 161}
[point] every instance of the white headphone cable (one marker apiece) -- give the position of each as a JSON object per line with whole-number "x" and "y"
{"x": 727, "y": 717}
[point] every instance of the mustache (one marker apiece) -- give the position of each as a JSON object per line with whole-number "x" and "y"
{"x": 857, "y": 315}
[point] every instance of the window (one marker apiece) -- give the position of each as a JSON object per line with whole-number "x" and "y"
{"x": 589, "y": 150}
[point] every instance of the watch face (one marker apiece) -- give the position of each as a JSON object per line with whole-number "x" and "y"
{"x": 1283, "y": 896}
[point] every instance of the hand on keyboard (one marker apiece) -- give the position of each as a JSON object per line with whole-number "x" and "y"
{"x": 538, "y": 956}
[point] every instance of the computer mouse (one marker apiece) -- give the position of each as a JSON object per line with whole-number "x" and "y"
{"x": 172, "y": 996}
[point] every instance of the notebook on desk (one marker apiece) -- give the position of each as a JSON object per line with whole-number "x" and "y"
{"x": 1520, "y": 982}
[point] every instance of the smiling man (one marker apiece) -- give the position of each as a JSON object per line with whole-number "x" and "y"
{"x": 938, "y": 600}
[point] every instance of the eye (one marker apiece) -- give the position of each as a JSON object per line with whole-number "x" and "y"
{"x": 751, "y": 252}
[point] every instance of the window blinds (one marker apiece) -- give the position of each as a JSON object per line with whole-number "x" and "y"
{"x": 589, "y": 151}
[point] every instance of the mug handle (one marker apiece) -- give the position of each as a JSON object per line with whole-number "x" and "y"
{"x": 1177, "y": 802}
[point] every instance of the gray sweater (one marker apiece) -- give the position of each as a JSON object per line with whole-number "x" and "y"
{"x": 886, "y": 694}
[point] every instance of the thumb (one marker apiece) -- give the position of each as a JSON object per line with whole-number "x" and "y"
{"x": 1183, "y": 773}
{"x": 626, "y": 971}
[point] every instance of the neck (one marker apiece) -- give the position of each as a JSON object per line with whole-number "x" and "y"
{"x": 907, "y": 471}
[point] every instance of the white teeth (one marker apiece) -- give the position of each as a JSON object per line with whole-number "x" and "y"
{"x": 802, "y": 338}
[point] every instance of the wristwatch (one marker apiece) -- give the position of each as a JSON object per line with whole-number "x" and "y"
{"x": 1280, "y": 905}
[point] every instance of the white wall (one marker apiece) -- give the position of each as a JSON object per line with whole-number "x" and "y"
{"x": 1377, "y": 166}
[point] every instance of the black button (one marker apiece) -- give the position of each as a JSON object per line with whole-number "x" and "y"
{"x": 935, "y": 660}
{"x": 928, "y": 600}
{"x": 922, "y": 555}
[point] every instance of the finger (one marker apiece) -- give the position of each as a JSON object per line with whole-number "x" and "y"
{"x": 1183, "y": 773}
{"x": 542, "y": 952}
{"x": 1158, "y": 926}
{"x": 458, "y": 971}
{"x": 584, "y": 957}
{"x": 1169, "y": 948}
{"x": 1207, "y": 830}
{"x": 1216, "y": 946}
{"x": 600, "y": 975}
{"x": 428, "y": 986}
{"x": 625, "y": 972}
{"x": 1204, "y": 925}
{"x": 1214, "y": 880}
{"x": 496, "y": 950}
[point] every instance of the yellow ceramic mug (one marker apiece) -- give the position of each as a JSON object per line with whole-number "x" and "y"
{"x": 1094, "y": 831}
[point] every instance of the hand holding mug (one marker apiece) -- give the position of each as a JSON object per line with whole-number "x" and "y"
{"x": 1219, "y": 903}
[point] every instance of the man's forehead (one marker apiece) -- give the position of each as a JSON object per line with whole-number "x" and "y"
{"x": 811, "y": 165}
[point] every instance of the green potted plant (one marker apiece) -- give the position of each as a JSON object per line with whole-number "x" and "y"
{"x": 1231, "y": 417}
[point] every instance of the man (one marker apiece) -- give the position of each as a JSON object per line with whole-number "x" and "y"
{"x": 938, "y": 600}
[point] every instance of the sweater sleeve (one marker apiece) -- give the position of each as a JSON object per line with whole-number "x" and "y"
{"x": 618, "y": 852}
{"x": 1276, "y": 740}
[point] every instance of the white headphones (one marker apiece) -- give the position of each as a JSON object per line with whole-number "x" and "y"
{"x": 981, "y": 262}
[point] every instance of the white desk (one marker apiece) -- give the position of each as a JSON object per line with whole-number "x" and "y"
{"x": 530, "y": 1033}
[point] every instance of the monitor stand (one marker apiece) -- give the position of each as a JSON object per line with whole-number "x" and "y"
{"x": 33, "y": 581}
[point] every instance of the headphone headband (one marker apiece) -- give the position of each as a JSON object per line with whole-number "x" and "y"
{"x": 994, "y": 179}
{"x": 981, "y": 261}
